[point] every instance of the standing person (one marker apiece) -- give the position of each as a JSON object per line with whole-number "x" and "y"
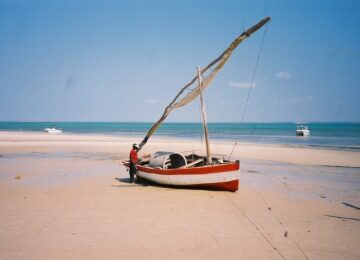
{"x": 133, "y": 161}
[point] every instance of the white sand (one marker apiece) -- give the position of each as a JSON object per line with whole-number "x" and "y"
{"x": 67, "y": 203}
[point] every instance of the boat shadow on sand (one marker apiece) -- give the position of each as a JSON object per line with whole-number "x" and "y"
{"x": 138, "y": 182}
{"x": 145, "y": 183}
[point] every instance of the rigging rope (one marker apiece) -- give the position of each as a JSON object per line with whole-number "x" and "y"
{"x": 259, "y": 193}
{"x": 251, "y": 84}
{"x": 256, "y": 227}
{"x": 216, "y": 65}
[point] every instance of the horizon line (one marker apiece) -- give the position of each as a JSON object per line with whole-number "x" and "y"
{"x": 185, "y": 122}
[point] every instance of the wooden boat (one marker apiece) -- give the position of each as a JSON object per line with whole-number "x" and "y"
{"x": 176, "y": 169}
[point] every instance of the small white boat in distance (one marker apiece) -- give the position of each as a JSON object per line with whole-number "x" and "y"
{"x": 302, "y": 130}
{"x": 53, "y": 130}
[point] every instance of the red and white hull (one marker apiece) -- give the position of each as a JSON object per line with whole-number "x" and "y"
{"x": 221, "y": 176}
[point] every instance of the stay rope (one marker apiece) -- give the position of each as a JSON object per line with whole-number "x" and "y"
{"x": 251, "y": 85}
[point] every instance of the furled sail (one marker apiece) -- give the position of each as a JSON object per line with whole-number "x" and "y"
{"x": 183, "y": 98}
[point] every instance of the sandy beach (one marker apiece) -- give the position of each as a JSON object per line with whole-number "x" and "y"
{"x": 67, "y": 197}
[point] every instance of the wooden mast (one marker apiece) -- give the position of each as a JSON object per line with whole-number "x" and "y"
{"x": 216, "y": 65}
{"x": 203, "y": 113}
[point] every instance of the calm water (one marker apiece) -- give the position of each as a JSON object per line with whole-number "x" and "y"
{"x": 335, "y": 135}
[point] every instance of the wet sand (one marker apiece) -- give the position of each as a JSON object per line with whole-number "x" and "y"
{"x": 67, "y": 197}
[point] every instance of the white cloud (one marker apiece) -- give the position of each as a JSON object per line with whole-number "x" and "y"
{"x": 297, "y": 100}
{"x": 241, "y": 84}
{"x": 344, "y": 50}
{"x": 294, "y": 100}
{"x": 283, "y": 75}
{"x": 150, "y": 101}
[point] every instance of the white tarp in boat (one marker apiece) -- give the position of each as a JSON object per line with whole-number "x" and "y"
{"x": 167, "y": 160}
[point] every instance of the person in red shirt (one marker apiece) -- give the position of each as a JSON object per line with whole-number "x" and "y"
{"x": 133, "y": 161}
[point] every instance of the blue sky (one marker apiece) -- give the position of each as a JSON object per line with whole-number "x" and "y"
{"x": 126, "y": 60}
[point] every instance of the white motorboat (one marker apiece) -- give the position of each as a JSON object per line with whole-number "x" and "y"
{"x": 53, "y": 130}
{"x": 302, "y": 130}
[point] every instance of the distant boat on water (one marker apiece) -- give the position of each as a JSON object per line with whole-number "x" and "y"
{"x": 53, "y": 130}
{"x": 302, "y": 130}
{"x": 176, "y": 169}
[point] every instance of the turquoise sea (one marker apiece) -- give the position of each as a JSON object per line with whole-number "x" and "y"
{"x": 331, "y": 135}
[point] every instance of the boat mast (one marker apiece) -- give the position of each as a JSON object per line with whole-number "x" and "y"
{"x": 215, "y": 66}
{"x": 203, "y": 113}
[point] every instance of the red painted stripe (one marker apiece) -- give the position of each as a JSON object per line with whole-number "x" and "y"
{"x": 227, "y": 186}
{"x": 224, "y": 186}
{"x": 196, "y": 170}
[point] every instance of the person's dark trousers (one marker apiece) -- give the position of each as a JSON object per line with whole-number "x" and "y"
{"x": 132, "y": 171}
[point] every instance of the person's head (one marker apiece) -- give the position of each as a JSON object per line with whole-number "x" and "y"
{"x": 136, "y": 146}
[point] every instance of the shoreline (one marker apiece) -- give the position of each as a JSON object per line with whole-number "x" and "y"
{"x": 165, "y": 137}
{"x": 12, "y": 142}
{"x": 263, "y": 140}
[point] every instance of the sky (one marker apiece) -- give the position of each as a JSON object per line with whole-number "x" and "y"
{"x": 126, "y": 60}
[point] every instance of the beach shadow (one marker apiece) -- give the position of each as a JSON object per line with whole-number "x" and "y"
{"x": 127, "y": 182}
{"x": 123, "y": 180}
{"x": 132, "y": 185}
{"x": 138, "y": 182}
{"x": 351, "y": 206}
{"x": 145, "y": 183}
{"x": 342, "y": 218}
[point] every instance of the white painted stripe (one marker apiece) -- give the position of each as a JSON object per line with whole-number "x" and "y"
{"x": 190, "y": 179}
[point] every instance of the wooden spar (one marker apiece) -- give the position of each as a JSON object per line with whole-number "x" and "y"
{"x": 203, "y": 113}
{"x": 218, "y": 62}
{"x": 192, "y": 164}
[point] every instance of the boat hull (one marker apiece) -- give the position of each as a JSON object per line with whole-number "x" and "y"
{"x": 218, "y": 177}
{"x": 53, "y": 131}
{"x": 302, "y": 132}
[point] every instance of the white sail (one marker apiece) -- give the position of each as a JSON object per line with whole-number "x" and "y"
{"x": 180, "y": 101}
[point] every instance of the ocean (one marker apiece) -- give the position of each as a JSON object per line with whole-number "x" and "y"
{"x": 329, "y": 135}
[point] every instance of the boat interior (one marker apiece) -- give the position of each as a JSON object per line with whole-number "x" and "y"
{"x": 173, "y": 160}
